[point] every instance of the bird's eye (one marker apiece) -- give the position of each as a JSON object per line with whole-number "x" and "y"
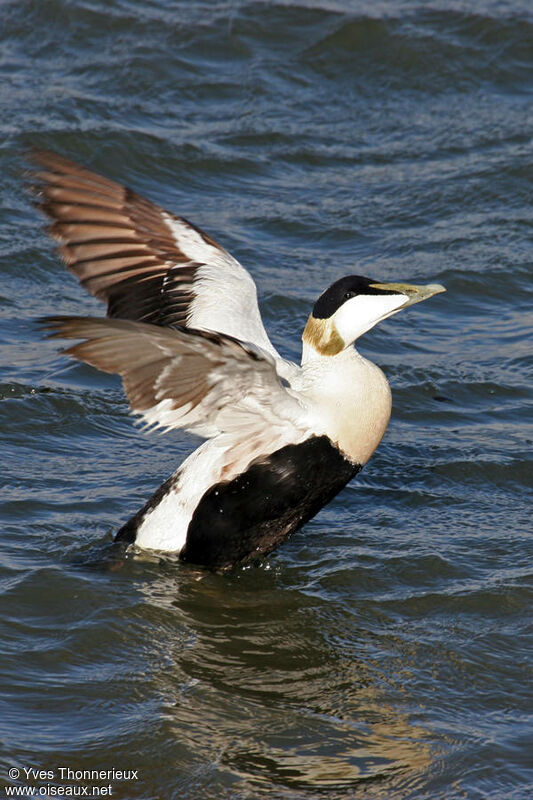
{"x": 349, "y": 295}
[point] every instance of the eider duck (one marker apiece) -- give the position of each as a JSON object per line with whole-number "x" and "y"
{"x": 184, "y": 331}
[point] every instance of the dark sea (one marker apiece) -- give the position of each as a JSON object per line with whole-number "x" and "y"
{"x": 384, "y": 650}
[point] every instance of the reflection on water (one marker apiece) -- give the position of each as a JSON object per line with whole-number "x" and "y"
{"x": 257, "y": 682}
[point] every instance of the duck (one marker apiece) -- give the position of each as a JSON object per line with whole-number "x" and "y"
{"x": 184, "y": 332}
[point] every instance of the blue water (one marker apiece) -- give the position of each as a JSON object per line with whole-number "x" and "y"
{"x": 384, "y": 651}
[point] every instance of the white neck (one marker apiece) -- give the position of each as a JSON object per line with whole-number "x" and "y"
{"x": 350, "y": 399}
{"x": 310, "y": 354}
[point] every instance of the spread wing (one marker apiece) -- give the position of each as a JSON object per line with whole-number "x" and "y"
{"x": 146, "y": 263}
{"x": 206, "y": 383}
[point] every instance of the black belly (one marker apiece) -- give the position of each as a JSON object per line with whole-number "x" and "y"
{"x": 249, "y": 516}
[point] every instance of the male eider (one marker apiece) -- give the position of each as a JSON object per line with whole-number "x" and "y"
{"x": 185, "y": 333}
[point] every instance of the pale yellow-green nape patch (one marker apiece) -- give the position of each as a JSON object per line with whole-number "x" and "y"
{"x": 323, "y": 336}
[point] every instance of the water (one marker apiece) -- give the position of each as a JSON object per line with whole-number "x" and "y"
{"x": 383, "y": 652}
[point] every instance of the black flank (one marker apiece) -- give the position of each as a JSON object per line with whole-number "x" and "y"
{"x": 249, "y": 516}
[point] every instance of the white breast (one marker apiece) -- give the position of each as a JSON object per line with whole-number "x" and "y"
{"x": 350, "y": 400}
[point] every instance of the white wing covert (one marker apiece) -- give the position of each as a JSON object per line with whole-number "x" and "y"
{"x": 146, "y": 263}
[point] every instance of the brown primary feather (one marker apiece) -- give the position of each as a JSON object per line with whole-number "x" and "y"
{"x": 73, "y": 174}
{"x": 116, "y": 242}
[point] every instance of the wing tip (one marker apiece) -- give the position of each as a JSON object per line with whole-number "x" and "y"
{"x": 55, "y": 326}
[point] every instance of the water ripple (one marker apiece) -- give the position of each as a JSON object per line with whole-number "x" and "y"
{"x": 383, "y": 651}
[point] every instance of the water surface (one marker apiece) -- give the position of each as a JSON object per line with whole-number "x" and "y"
{"x": 384, "y": 651}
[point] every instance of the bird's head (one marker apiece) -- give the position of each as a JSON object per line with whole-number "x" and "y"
{"x": 353, "y": 305}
